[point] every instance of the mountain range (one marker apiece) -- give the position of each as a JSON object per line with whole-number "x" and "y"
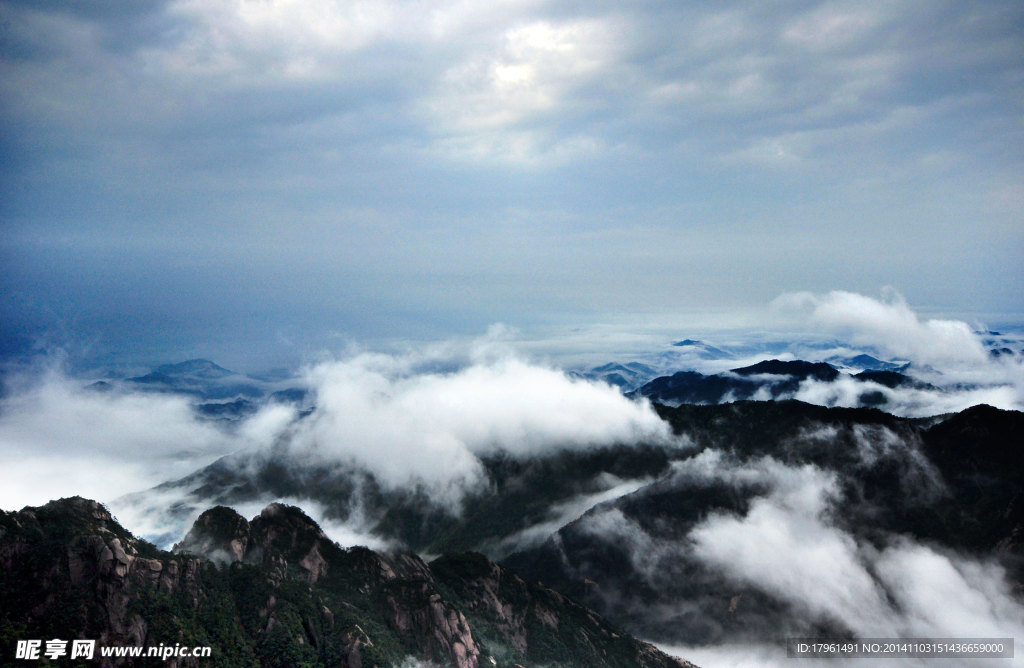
{"x": 275, "y": 591}
{"x": 615, "y": 527}
{"x": 751, "y": 516}
{"x": 649, "y": 560}
{"x": 770, "y": 380}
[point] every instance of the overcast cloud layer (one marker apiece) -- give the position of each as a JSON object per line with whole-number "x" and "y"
{"x": 279, "y": 172}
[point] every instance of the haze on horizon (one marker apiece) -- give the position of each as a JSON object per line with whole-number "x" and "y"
{"x": 253, "y": 175}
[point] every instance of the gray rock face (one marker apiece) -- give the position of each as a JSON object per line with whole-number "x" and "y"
{"x": 95, "y": 579}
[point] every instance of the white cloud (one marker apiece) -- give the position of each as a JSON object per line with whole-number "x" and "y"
{"x": 58, "y": 439}
{"x": 493, "y": 102}
{"x": 943, "y": 595}
{"x": 886, "y": 323}
{"x": 254, "y": 42}
{"x": 783, "y": 544}
{"x": 784, "y": 547}
{"x": 329, "y": 42}
{"x": 423, "y": 418}
{"x": 431, "y": 427}
{"x": 787, "y": 546}
{"x": 948, "y": 354}
{"x": 831, "y": 27}
{"x": 561, "y": 514}
{"x": 911, "y": 401}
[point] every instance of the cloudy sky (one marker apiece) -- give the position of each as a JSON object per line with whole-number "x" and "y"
{"x": 280, "y": 172}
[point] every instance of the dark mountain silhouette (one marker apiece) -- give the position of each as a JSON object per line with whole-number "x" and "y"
{"x": 893, "y": 379}
{"x": 949, "y": 481}
{"x": 798, "y": 369}
{"x": 768, "y": 380}
{"x": 954, "y": 484}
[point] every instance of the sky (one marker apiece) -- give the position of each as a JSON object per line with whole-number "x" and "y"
{"x": 241, "y": 177}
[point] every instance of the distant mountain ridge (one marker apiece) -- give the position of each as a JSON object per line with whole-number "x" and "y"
{"x": 767, "y": 380}
{"x": 217, "y": 393}
{"x": 199, "y": 377}
{"x": 703, "y": 350}
{"x": 866, "y": 362}
{"x": 696, "y": 355}
{"x": 200, "y": 368}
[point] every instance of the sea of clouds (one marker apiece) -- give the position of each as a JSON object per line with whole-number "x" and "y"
{"x": 425, "y": 417}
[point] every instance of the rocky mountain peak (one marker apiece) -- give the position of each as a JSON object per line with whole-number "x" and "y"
{"x": 276, "y": 591}
{"x": 76, "y": 509}
{"x": 289, "y": 519}
{"x": 280, "y": 537}
{"x": 220, "y": 534}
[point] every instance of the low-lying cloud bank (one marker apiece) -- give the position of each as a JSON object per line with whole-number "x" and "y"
{"x": 789, "y": 544}
{"x": 60, "y": 439}
{"x": 950, "y": 354}
{"x": 888, "y": 323}
{"x": 431, "y": 428}
{"x": 396, "y": 417}
{"x": 908, "y": 401}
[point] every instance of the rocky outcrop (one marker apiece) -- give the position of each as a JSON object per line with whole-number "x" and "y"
{"x": 277, "y": 591}
{"x": 220, "y": 534}
{"x": 70, "y": 566}
{"x": 523, "y": 616}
